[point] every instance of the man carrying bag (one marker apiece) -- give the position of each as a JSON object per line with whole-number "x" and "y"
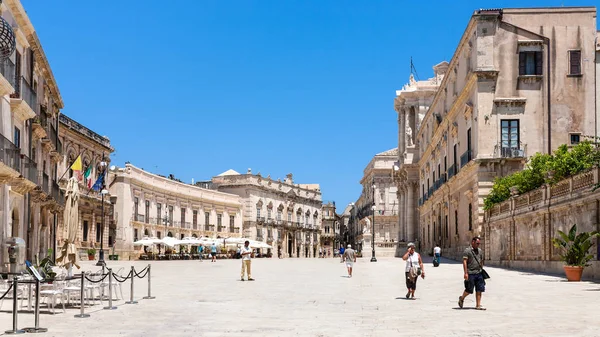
{"x": 474, "y": 274}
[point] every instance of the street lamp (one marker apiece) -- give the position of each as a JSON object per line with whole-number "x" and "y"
{"x": 373, "y": 259}
{"x": 103, "y": 192}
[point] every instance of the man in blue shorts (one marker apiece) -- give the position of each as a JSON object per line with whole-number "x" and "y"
{"x": 473, "y": 268}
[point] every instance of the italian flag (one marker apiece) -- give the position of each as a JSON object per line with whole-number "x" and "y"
{"x": 87, "y": 176}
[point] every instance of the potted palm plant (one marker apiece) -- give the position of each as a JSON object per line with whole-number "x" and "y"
{"x": 91, "y": 254}
{"x": 575, "y": 251}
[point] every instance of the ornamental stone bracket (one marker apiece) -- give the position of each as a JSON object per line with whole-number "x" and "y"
{"x": 530, "y": 78}
{"x": 5, "y": 87}
{"x": 38, "y": 130}
{"x": 7, "y": 173}
{"x": 22, "y": 185}
{"x": 55, "y": 156}
{"x": 21, "y": 109}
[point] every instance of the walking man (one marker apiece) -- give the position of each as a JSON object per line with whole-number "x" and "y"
{"x": 213, "y": 252}
{"x": 341, "y": 254}
{"x": 437, "y": 252}
{"x": 350, "y": 257}
{"x": 200, "y": 251}
{"x": 473, "y": 267}
{"x": 246, "y": 252}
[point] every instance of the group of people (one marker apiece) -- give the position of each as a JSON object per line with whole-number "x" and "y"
{"x": 473, "y": 276}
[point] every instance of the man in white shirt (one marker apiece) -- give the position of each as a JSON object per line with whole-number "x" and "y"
{"x": 246, "y": 253}
{"x": 437, "y": 252}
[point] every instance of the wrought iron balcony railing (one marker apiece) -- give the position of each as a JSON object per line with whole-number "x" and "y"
{"x": 505, "y": 151}
{"x": 11, "y": 154}
{"x": 7, "y": 68}
{"x": 24, "y": 91}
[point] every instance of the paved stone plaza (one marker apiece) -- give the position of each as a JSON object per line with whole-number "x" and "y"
{"x": 313, "y": 297}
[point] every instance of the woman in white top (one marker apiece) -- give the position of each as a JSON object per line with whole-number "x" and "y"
{"x": 413, "y": 259}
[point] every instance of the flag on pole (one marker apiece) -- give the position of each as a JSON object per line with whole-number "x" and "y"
{"x": 87, "y": 176}
{"x": 99, "y": 184}
{"x": 76, "y": 164}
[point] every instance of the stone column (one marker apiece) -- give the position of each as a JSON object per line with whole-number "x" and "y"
{"x": 410, "y": 219}
{"x": 401, "y": 132}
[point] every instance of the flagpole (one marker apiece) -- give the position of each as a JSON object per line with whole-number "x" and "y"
{"x": 69, "y": 167}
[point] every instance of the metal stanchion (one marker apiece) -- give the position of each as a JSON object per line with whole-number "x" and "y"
{"x": 81, "y": 296}
{"x": 15, "y": 331}
{"x": 131, "y": 301}
{"x": 36, "y": 312}
{"x": 110, "y": 276}
{"x": 149, "y": 297}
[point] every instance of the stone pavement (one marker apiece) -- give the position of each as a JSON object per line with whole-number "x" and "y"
{"x": 313, "y": 297}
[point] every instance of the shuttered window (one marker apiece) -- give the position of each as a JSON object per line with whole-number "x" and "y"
{"x": 575, "y": 62}
{"x": 530, "y": 63}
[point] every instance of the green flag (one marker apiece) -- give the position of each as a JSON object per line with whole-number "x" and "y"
{"x": 87, "y": 176}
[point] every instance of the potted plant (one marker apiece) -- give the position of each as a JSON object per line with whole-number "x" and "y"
{"x": 575, "y": 251}
{"x": 91, "y": 254}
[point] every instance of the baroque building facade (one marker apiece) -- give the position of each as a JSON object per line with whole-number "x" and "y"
{"x": 518, "y": 83}
{"x": 330, "y": 233}
{"x": 380, "y": 191}
{"x": 150, "y": 205}
{"x": 30, "y": 198}
{"x": 281, "y": 213}
{"x": 80, "y": 141}
{"x": 411, "y": 104}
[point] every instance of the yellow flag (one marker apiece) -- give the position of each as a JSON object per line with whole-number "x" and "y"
{"x": 77, "y": 164}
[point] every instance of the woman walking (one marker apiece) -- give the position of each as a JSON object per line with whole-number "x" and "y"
{"x": 414, "y": 268}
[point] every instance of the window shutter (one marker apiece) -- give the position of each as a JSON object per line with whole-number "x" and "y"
{"x": 538, "y": 63}
{"x": 575, "y": 62}
{"x": 522, "y": 63}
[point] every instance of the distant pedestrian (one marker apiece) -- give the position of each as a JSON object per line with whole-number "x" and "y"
{"x": 473, "y": 273}
{"x": 320, "y": 252}
{"x": 246, "y": 252}
{"x": 437, "y": 252}
{"x": 414, "y": 268}
{"x": 341, "y": 254}
{"x": 200, "y": 251}
{"x": 350, "y": 257}
{"x": 213, "y": 252}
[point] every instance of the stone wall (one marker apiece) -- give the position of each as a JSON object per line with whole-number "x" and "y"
{"x": 519, "y": 231}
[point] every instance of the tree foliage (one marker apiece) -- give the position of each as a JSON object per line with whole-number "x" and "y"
{"x": 561, "y": 164}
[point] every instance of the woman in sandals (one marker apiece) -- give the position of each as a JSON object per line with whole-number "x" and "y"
{"x": 414, "y": 267}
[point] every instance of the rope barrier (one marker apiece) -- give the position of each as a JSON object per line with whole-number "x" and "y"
{"x": 97, "y": 281}
{"x": 121, "y": 280}
{"x": 137, "y": 274}
{"x": 7, "y": 291}
{"x": 145, "y": 270}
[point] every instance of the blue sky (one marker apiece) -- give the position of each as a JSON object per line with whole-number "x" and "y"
{"x": 196, "y": 87}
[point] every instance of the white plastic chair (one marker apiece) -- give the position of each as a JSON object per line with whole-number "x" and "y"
{"x": 54, "y": 291}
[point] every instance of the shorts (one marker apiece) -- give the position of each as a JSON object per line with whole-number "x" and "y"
{"x": 213, "y": 254}
{"x": 475, "y": 281}
{"x": 349, "y": 264}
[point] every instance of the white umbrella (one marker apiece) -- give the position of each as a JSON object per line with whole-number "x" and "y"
{"x": 147, "y": 242}
{"x": 68, "y": 255}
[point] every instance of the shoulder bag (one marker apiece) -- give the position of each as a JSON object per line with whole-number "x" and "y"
{"x": 483, "y": 272}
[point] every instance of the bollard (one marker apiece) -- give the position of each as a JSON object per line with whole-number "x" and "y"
{"x": 110, "y": 306}
{"x": 131, "y": 301}
{"x": 36, "y": 312}
{"x": 82, "y": 314}
{"x": 15, "y": 331}
{"x": 149, "y": 297}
